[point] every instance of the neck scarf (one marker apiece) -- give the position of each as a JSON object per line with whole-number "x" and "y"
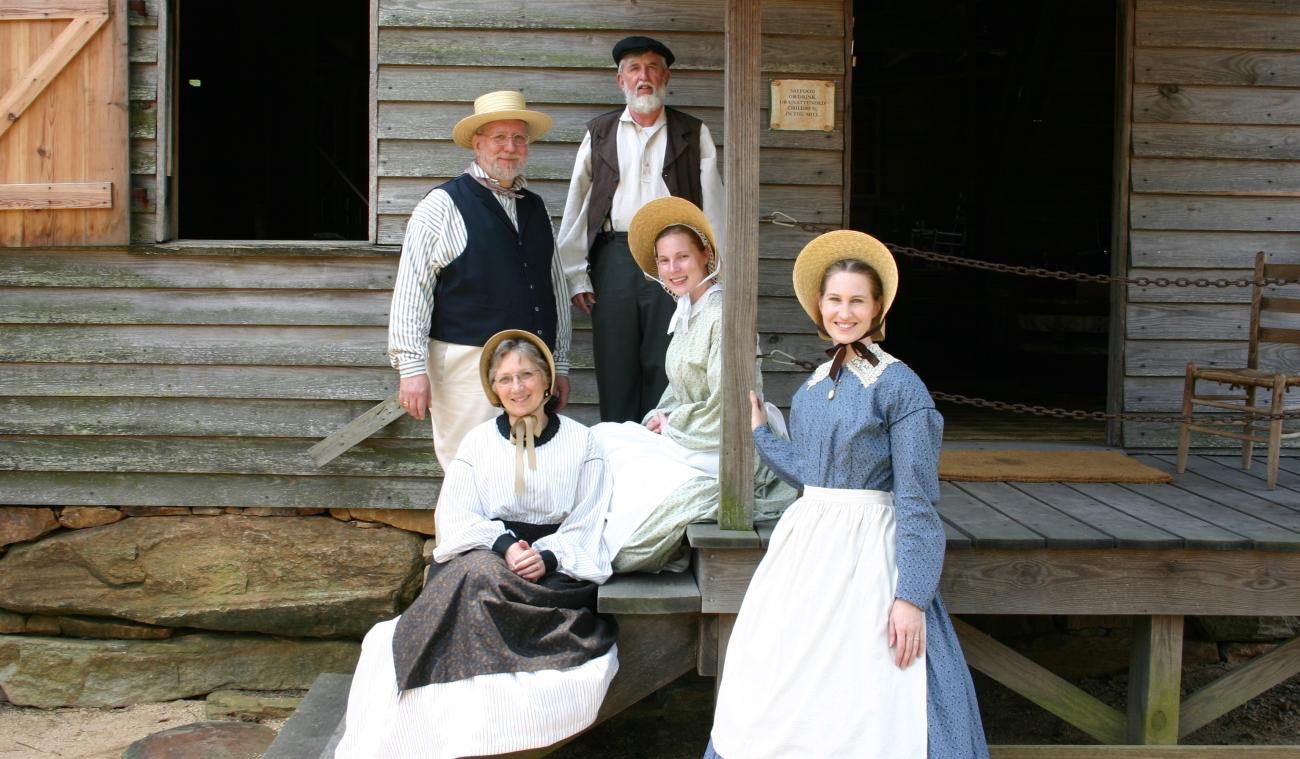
{"x": 523, "y": 434}
{"x": 492, "y": 184}
{"x": 681, "y": 318}
{"x": 840, "y": 354}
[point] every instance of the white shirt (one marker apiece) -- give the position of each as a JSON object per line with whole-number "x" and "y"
{"x": 436, "y": 236}
{"x": 570, "y": 487}
{"x": 640, "y": 169}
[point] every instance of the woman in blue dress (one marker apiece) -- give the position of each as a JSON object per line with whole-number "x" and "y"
{"x": 842, "y": 647}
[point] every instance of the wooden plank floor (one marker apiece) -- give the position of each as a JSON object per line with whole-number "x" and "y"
{"x": 1214, "y": 504}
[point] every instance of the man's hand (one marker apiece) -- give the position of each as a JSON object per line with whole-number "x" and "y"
{"x": 561, "y": 391}
{"x": 585, "y": 301}
{"x": 525, "y": 561}
{"x": 414, "y": 394}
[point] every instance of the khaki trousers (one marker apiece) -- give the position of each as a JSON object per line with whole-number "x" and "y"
{"x": 458, "y": 404}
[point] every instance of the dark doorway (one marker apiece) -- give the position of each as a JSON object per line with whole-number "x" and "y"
{"x": 984, "y": 130}
{"x": 273, "y": 121}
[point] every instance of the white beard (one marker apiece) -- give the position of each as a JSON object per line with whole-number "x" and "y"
{"x": 643, "y": 104}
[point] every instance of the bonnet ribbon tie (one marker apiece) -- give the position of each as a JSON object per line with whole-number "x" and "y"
{"x": 681, "y": 318}
{"x": 840, "y": 353}
{"x": 522, "y": 435}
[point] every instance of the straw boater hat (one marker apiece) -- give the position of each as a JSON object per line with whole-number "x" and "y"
{"x": 500, "y": 106}
{"x": 816, "y": 256}
{"x": 485, "y": 360}
{"x": 654, "y": 217}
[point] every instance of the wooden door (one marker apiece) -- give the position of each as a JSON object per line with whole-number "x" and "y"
{"x": 63, "y": 123}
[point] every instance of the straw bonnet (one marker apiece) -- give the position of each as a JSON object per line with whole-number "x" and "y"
{"x": 654, "y": 217}
{"x": 500, "y": 106}
{"x": 816, "y": 256}
{"x": 485, "y": 360}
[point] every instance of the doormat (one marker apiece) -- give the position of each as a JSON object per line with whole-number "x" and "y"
{"x": 1046, "y": 466}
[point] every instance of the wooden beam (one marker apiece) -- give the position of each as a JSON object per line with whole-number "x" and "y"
{"x": 1039, "y": 685}
{"x": 1239, "y": 686}
{"x": 740, "y": 261}
{"x": 357, "y": 430}
{"x": 25, "y": 197}
{"x": 1119, "y": 218}
{"x": 1154, "y": 680}
{"x": 36, "y": 10}
{"x": 37, "y": 76}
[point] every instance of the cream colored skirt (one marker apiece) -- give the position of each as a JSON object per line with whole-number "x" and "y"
{"x": 477, "y": 716}
{"x": 809, "y": 671}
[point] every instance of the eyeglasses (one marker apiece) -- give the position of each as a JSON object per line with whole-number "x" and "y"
{"x": 501, "y": 139}
{"x": 508, "y": 380}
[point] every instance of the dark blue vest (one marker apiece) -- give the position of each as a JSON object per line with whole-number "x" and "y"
{"x": 503, "y": 279}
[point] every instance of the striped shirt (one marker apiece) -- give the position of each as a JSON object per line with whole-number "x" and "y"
{"x": 436, "y": 236}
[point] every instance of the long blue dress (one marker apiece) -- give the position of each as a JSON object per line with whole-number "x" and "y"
{"x": 882, "y": 432}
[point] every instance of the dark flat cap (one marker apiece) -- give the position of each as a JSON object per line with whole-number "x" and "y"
{"x": 641, "y": 45}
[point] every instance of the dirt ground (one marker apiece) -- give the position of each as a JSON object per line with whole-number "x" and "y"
{"x": 671, "y": 724}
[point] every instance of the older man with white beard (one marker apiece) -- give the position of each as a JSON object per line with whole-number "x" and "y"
{"x": 478, "y": 258}
{"x": 628, "y": 158}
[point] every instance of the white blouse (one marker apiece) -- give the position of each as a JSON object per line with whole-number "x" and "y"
{"x": 570, "y": 487}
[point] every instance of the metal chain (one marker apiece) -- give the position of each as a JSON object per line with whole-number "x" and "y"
{"x": 785, "y": 220}
{"x": 781, "y": 357}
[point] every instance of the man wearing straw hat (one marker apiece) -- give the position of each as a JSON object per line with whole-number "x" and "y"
{"x": 628, "y": 158}
{"x": 478, "y": 258}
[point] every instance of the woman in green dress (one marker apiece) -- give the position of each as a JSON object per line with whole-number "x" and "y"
{"x": 665, "y": 470}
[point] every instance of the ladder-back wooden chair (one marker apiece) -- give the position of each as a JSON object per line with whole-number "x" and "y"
{"x": 1266, "y": 312}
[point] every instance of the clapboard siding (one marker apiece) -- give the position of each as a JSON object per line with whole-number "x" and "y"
{"x": 199, "y": 376}
{"x": 1215, "y": 172}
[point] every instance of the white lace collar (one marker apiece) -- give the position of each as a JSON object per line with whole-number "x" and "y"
{"x": 859, "y": 367}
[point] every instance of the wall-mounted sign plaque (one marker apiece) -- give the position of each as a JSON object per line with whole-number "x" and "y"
{"x": 803, "y": 104}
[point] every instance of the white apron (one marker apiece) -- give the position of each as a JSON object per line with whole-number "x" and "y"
{"x": 809, "y": 673}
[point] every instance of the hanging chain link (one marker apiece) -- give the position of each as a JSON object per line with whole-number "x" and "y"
{"x": 785, "y": 220}
{"x": 781, "y": 357}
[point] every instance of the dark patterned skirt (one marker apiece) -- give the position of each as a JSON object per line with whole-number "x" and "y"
{"x": 476, "y": 617}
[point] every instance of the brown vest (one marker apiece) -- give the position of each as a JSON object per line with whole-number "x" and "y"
{"x": 681, "y": 164}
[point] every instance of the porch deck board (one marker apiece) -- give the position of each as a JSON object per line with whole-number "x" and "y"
{"x": 1214, "y": 504}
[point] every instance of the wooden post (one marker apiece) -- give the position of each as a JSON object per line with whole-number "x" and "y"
{"x": 740, "y": 262}
{"x": 1155, "y": 680}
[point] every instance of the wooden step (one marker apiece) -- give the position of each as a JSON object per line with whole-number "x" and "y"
{"x": 643, "y": 593}
{"x": 316, "y": 726}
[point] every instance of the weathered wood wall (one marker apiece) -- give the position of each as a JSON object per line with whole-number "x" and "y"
{"x": 200, "y": 376}
{"x": 1215, "y": 172}
{"x": 436, "y": 56}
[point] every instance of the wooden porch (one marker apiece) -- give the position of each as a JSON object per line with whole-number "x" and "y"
{"x": 1214, "y": 541}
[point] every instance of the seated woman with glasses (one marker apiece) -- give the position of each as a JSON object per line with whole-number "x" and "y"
{"x": 665, "y": 470}
{"x": 503, "y": 650}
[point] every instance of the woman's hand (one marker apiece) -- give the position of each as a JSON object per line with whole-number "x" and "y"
{"x": 657, "y": 422}
{"x": 757, "y": 414}
{"x": 906, "y": 632}
{"x": 525, "y": 561}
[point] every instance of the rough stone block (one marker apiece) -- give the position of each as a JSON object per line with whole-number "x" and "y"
{"x": 12, "y": 623}
{"x": 156, "y": 511}
{"x": 272, "y": 511}
{"x": 411, "y": 520}
{"x": 1250, "y": 629}
{"x": 1240, "y": 653}
{"x": 81, "y": 517}
{"x": 22, "y": 523}
{"x": 312, "y": 576}
{"x": 204, "y": 740}
{"x": 207, "y": 511}
{"x": 248, "y": 705}
{"x": 50, "y": 672}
